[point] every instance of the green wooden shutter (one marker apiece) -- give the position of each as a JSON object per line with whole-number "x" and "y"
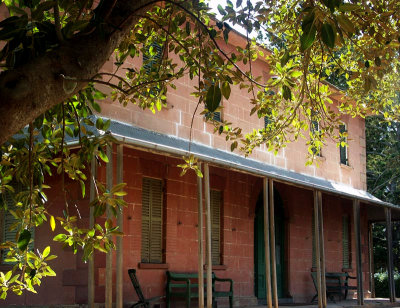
{"x": 266, "y": 121}
{"x": 343, "y": 149}
{"x": 152, "y": 57}
{"x": 10, "y": 230}
{"x": 152, "y": 220}
{"x": 346, "y": 242}
{"x": 314, "y": 255}
{"x": 315, "y": 130}
{"x": 215, "y": 200}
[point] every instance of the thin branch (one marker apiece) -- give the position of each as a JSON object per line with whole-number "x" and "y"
{"x": 62, "y": 160}
{"x": 57, "y": 22}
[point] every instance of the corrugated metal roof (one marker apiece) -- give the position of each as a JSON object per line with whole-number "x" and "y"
{"x": 140, "y": 137}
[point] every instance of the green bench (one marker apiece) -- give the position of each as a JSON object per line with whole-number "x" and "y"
{"x": 336, "y": 284}
{"x": 185, "y": 285}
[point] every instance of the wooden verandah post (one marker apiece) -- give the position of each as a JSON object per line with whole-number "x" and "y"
{"x": 208, "y": 235}
{"x": 322, "y": 248}
{"x": 93, "y": 172}
{"x": 317, "y": 249}
{"x": 266, "y": 242}
{"x": 272, "y": 233}
{"x": 357, "y": 240}
{"x": 119, "y": 242}
{"x": 109, "y": 256}
{"x": 389, "y": 241}
{"x": 200, "y": 239}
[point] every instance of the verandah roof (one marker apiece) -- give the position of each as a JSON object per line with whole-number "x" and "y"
{"x": 144, "y": 138}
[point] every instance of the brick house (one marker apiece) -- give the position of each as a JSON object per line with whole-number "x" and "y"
{"x": 161, "y": 222}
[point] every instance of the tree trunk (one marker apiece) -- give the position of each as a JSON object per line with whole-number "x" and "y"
{"x": 29, "y": 90}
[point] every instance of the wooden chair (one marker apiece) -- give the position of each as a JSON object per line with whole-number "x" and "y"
{"x": 143, "y": 302}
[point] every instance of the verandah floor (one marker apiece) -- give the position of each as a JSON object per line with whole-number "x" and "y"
{"x": 350, "y": 303}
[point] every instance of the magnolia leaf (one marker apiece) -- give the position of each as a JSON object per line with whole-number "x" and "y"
{"x": 46, "y": 252}
{"x": 226, "y": 89}
{"x": 328, "y": 35}
{"x": 213, "y": 98}
{"x": 52, "y": 223}
{"x": 307, "y": 38}
{"x": 24, "y": 239}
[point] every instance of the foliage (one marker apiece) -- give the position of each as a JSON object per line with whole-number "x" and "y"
{"x": 383, "y": 155}
{"x": 382, "y": 284}
{"x": 316, "y": 39}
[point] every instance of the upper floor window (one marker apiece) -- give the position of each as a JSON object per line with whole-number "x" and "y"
{"x": 216, "y": 116}
{"x": 152, "y": 56}
{"x": 315, "y": 131}
{"x": 267, "y": 120}
{"x": 152, "y": 220}
{"x": 343, "y": 145}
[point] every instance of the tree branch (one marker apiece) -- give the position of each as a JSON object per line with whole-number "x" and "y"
{"x": 31, "y": 89}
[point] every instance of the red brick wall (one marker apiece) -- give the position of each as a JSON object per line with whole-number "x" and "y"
{"x": 240, "y": 194}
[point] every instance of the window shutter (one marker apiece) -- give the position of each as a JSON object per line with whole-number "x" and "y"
{"x": 215, "y": 200}
{"x": 217, "y": 116}
{"x": 152, "y": 220}
{"x": 343, "y": 149}
{"x": 152, "y": 56}
{"x": 314, "y": 255}
{"x": 266, "y": 121}
{"x": 9, "y": 222}
{"x": 346, "y": 242}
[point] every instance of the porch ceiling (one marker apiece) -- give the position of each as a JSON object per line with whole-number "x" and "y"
{"x": 142, "y": 138}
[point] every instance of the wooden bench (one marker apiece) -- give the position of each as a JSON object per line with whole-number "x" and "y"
{"x": 142, "y": 302}
{"x": 336, "y": 284}
{"x": 185, "y": 285}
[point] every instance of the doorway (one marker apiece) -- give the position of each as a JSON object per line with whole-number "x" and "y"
{"x": 259, "y": 251}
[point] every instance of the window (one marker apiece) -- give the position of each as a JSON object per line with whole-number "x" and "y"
{"x": 10, "y": 228}
{"x": 315, "y": 131}
{"x": 343, "y": 147}
{"x": 266, "y": 121}
{"x": 216, "y": 202}
{"x": 314, "y": 254}
{"x": 152, "y": 57}
{"x": 152, "y": 225}
{"x": 216, "y": 116}
{"x": 346, "y": 242}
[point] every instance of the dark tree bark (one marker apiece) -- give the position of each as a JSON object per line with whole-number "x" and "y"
{"x": 28, "y": 91}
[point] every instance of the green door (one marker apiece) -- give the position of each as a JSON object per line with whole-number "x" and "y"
{"x": 259, "y": 251}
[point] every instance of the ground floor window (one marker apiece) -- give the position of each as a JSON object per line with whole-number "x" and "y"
{"x": 152, "y": 222}
{"x": 216, "y": 202}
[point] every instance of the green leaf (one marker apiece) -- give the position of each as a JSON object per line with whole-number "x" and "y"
{"x": 226, "y": 89}
{"x": 221, "y": 10}
{"x": 285, "y": 58}
{"x": 187, "y": 28}
{"x": 83, "y": 188}
{"x": 346, "y": 24}
{"x": 52, "y": 223}
{"x": 328, "y": 35}
{"x": 213, "y": 98}
{"x": 24, "y": 239}
{"x": 99, "y": 123}
{"x": 46, "y": 252}
{"x": 103, "y": 156}
{"x": 348, "y": 7}
{"x": 287, "y": 93}
{"x": 60, "y": 238}
{"x": 307, "y": 38}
